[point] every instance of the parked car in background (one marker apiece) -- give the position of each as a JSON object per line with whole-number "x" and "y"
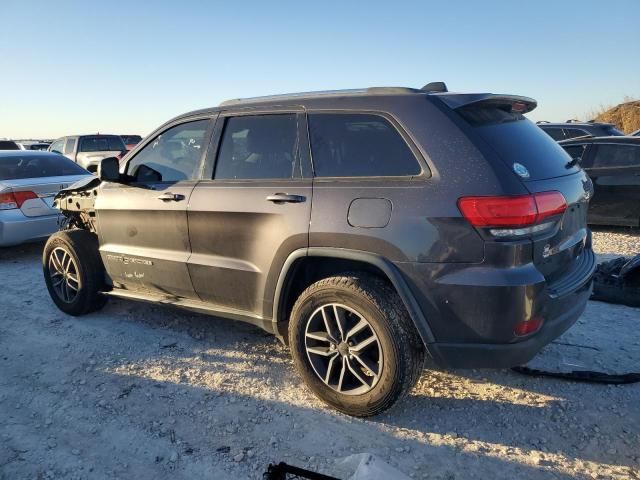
{"x": 428, "y": 222}
{"x": 9, "y": 145}
{"x": 131, "y": 141}
{"x": 88, "y": 150}
{"x": 613, "y": 164}
{"x": 574, "y": 128}
{"x": 28, "y": 182}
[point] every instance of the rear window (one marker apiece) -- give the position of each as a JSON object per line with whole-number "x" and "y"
{"x": 517, "y": 140}
{"x": 101, "y": 144}
{"x": 8, "y": 145}
{"x": 131, "y": 139}
{"x": 359, "y": 145}
{"x": 16, "y": 167}
{"x": 613, "y": 131}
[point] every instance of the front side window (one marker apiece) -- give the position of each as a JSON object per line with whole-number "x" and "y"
{"x": 259, "y": 147}
{"x": 359, "y": 145}
{"x": 69, "y": 145}
{"x": 172, "y": 156}
{"x": 613, "y": 156}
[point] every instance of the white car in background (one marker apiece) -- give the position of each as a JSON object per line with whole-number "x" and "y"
{"x": 28, "y": 182}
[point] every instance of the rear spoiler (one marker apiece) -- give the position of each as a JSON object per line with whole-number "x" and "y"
{"x": 515, "y": 103}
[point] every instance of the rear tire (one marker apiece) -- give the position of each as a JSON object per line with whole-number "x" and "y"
{"x": 366, "y": 361}
{"x": 73, "y": 271}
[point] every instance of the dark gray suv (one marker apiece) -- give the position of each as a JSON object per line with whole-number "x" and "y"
{"x": 364, "y": 228}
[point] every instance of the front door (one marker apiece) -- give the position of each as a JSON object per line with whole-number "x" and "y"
{"x": 143, "y": 229}
{"x": 253, "y": 212}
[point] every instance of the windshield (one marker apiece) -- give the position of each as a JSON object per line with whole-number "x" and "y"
{"x": 16, "y": 167}
{"x": 102, "y": 143}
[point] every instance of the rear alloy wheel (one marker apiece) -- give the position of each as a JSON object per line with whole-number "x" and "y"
{"x": 343, "y": 349}
{"x": 354, "y": 344}
{"x": 73, "y": 271}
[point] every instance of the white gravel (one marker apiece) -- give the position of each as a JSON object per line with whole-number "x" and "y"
{"x": 139, "y": 391}
{"x": 618, "y": 242}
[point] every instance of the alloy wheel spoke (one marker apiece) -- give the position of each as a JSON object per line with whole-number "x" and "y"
{"x": 327, "y": 377}
{"x": 325, "y": 319}
{"x": 342, "y": 371}
{"x": 361, "y": 325}
{"x": 320, "y": 336}
{"x": 56, "y": 262}
{"x": 355, "y": 374}
{"x": 322, "y": 351}
{"x": 365, "y": 365}
{"x": 364, "y": 344}
{"x": 340, "y": 320}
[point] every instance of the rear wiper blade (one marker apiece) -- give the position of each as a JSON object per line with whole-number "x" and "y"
{"x": 572, "y": 163}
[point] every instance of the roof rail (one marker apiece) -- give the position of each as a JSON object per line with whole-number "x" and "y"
{"x": 542, "y": 121}
{"x": 573, "y": 120}
{"x": 324, "y": 93}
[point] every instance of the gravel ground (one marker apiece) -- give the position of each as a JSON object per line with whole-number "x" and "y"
{"x": 610, "y": 243}
{"x": 140, "y": 391}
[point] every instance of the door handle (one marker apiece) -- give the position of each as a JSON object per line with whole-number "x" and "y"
{"x": 170, "y": 197}
{"x": 285, "y": 198}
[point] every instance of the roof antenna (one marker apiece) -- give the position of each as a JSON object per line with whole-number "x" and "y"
{"x": 435, "y": 87}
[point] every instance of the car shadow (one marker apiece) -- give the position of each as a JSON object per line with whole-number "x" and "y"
{"x": 505, "y": 410}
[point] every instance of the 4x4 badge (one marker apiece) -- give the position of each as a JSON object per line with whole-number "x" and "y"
{"x": 521, "y": 170}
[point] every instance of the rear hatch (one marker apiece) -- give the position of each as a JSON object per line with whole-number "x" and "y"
{"x": 498, "y": 125}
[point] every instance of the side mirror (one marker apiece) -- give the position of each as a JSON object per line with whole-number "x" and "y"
{"x": 109, "y": 170}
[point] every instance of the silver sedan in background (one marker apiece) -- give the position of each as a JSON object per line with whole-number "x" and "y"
{"x": 28, "y": 182}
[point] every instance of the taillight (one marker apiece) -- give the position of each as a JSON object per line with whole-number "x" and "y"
{"x": 509, "y": 215}
{"x": 12, "y": 200}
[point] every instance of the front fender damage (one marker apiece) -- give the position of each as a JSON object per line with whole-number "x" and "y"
{"x": 77, "y": 204}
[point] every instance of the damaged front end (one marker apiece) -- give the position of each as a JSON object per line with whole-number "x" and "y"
{"x": 77, "y": 205}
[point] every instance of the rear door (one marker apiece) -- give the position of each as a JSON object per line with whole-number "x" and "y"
{"x": 253, "y": 211}
{"x": 615, "y": 171}
{"x": 143, "y": 228}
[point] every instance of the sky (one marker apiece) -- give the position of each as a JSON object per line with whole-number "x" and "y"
{"x": 125, "y": 67}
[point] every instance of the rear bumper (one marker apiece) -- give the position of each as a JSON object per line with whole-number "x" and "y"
{"x": 15, "y": 228}
{"x": 472, "y": 310}
{"x": 482, "y": 355}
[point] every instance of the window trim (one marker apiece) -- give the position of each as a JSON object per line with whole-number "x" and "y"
{"x": 566, "y": 132}
{"x": 425, "y": 170}
{"x": 212, "y": 118}
{"x": 211, "y": 160}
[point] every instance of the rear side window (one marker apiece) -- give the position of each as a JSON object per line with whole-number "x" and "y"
{"x": 612, "y": 156}
{"x": 37, "y": 166}
{"x": 259, "y": 147}
{"x": 102, "y": 144}
{"x": 359, "y": 145}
